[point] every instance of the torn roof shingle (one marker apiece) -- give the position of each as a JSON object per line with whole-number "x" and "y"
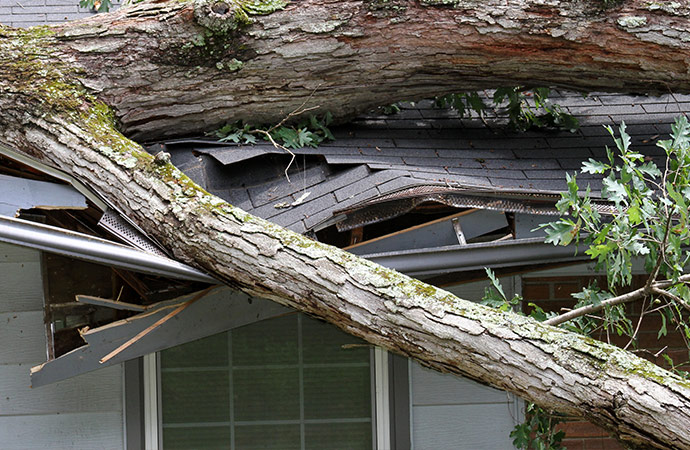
{"x": 377, "y": 155}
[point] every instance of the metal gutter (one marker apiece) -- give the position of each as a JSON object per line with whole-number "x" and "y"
{"x": 100, "y": 202}
{"x": 93, "y": 249}
{"x": 457, "y": 258}
{"x": 417, "y": 263}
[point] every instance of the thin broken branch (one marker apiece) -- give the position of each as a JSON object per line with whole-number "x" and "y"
{"x": 282, "y": 147}
{"x": 671, "y": 296}
{"x": 589, "y": 309}
{"x": 625, "y": 298}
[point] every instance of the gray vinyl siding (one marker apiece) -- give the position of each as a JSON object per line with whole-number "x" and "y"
{"x": 453, "y": 413}
{"x": 26, "y": 13}
{"x": 81, "y": 413}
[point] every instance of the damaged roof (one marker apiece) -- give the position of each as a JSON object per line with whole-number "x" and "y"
{"x": 422, "y": 154}
{"x": 379, "y": 167}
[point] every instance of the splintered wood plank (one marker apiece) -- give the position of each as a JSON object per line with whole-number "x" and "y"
{"x": 114, "y": 304}
{"x": 221, "y": 310}
{"x": 160, "y": 322}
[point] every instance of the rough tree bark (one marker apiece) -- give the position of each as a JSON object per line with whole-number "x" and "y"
{"x": 175, "y": 68}
{"x": 179, "y": 67}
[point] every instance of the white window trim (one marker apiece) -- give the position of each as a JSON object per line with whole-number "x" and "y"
{"x": 151, "y": 403}
{"x": 382, "y": 403}
{"x": 409, "y": 393}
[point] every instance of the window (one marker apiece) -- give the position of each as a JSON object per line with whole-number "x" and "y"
{"x": 290, "y": 382}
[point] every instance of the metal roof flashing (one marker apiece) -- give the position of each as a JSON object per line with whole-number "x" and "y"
{"x": 58, "y": 174}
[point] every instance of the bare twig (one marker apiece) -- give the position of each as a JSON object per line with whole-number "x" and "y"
{"x": 301, "y": 109}
{"x": 297, "y": 112}
{"x": 660, "y": 258}
{"x": 282, "y": 147}
{"x": 659, "y": 308}
{"x": 671, "y": 296}
{"x": 637, "y": 328}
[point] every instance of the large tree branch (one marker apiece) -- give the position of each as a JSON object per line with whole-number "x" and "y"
{"x": 549, "y": 366}
{"x": 178, "y": 67}
{"x": 173, "y": 68}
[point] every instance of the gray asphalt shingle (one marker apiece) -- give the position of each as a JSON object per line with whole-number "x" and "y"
{"x": 370, "y": 182}
{"x": 377, "y": 155}
{"x": 280, "y": 188}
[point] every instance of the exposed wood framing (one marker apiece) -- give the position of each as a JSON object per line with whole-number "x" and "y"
{"x": 436, "y": 233}
{"x": 221, "y": 310}
{"x": 109, "y": 303}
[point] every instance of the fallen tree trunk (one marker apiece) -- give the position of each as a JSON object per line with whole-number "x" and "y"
{"x": 170, "y": 68}
{"x": 640, "y": 403}
{"x": 59, "y": 113}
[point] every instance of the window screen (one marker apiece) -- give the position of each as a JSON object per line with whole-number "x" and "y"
{"x": 286, "y": 383}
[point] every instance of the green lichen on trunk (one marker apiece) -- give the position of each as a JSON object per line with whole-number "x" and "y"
{"x": 207, "y": 48}
{"x": 100, "y": 125}
{"x": 218, "y": 41}
{"x": 632, "y": 21}
{"x": 670, "y": 7}
{"x": 262, "y": 7}
{"x": 44, "y": 83}
{"x": 30, "y": 70}
{"x": 223, "y": 16}
{"x": 387, "y": 5}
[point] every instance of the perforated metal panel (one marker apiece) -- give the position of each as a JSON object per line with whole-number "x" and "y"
{"x": 405, "y": 200}
{"x": 115, "y": 224}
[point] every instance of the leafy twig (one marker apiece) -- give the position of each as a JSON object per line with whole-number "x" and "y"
{"x": 625, "y": 298}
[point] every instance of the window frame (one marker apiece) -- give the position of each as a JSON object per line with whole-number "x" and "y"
{"x": 381, "y": 392}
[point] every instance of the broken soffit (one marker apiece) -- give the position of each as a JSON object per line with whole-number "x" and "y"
{"x": 20, "y": 193}
{"x": 75, "y": 230}
{"x": 157, "y": 327}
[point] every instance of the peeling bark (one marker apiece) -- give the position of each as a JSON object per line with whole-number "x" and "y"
{"x": 163, "y": 73}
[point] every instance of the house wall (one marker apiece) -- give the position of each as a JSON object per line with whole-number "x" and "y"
{"x": 81, "y": 413}
{"x": 454, "y": 413}
{"x": 26, "y": 13}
